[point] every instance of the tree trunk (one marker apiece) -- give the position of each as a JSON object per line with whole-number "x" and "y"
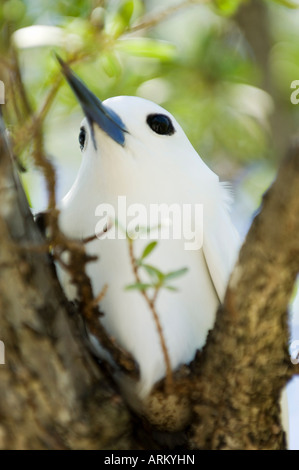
{"x": 52, "y": 394}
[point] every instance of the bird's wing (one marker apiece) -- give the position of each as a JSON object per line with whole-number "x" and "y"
{"x": 221, "y": 243}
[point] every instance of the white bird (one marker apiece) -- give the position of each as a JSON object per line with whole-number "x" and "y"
{"x": 134, "y": 148}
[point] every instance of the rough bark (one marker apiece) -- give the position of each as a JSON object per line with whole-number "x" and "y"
{"x": 246, "y": 363}
{"x": 52, "y": 394}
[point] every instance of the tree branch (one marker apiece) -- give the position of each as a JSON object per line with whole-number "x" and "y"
{"x": 52, "y": 394}
{"x": 154, "y": 19}
{"x": 245, "y": 363}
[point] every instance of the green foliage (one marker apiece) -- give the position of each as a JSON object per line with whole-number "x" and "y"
{"x": 227, "y": 7}
{"x": 145, "y": 47}
{"x": 138, "y": 286}
{"x": 157, "y": 279}
{"x": 120, "y": 19}
{"x": 198, "y": 63}
{"x": 148, "y": 249}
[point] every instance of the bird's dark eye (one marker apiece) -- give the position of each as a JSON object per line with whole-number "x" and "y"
{"x": 160, "y": 124}
{"x": 82, "y": 137}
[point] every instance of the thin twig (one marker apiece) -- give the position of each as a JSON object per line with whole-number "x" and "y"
{"x": 152, "y": 20}
{"x": 49, "y": 98}
{"x": 32, "y": 126}
{"x": 101, "y": 295}
{"x": 48, "y": 170}
{"x": 151, "y": 303}
{"x": 19, "y": 83}
{"x": 13, "y": 95}
{"x": 96, "y": 236}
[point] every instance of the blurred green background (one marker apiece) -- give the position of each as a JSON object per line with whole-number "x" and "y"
{"x": 224, "y": 68}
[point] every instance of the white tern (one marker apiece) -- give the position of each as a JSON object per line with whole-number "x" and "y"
{"x": 134, "y": 148}
{"x": 135, "y": 151}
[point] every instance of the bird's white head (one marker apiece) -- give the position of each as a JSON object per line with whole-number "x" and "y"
{"x": 134, "y": 124}
{"x": 133, "y": 141}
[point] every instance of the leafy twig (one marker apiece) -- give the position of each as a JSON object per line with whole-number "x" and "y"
{"x": 151, "y": 303}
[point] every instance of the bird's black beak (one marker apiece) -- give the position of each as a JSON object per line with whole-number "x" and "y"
{"x": 94, "y": 109}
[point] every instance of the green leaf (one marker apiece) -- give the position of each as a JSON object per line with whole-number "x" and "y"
{"x": 126, "y": 11}
{"x": 119, "y": 21}
{"x": 175, "y": 274}
{"x": 138, "y": 286}
{"x": 154, "y": 272}
{"x": 145, "y": 47}
{"x": 148, "y": 249}
{"x": 172, "y": 288}
{"x": 115, "y": 26}
{"x": 111, "y": 64}
{"x": 227, "y": 7}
